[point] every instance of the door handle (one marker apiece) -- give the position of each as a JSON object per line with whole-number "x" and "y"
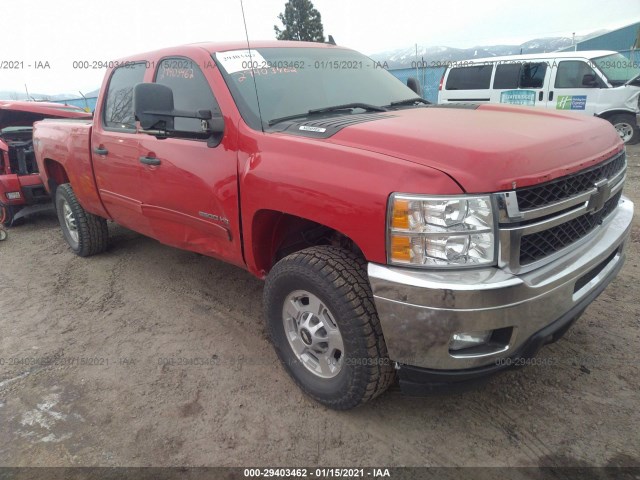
{"x": 150, "y": 160}
{"x": 550, "y": 95}
{"x": 101, "y": 150}
{"x": 540, "y": 96}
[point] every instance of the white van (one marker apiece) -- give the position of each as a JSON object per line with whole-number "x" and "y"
{"x": 602, "y": 83}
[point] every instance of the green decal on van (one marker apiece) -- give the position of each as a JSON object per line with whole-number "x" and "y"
{"x": 571, "y": 102}
{"x": 518, "y": 97}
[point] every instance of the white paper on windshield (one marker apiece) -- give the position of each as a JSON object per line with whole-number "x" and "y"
{"x": 238, "y": 60}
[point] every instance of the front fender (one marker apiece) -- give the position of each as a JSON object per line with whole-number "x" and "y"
{"x": 343, "y": 188}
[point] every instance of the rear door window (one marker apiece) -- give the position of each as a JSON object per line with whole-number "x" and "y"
{"x": 532, "y": 75}
{"x": 507, "y": 76}
{"x": 469, "y": 78}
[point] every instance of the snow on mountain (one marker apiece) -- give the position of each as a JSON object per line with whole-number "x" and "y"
{"x": 436, "y": 55}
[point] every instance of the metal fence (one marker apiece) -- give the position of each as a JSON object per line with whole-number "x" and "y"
{"x": 428, "y": 77}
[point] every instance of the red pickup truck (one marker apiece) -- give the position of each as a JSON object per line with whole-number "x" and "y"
{"x": 391, "y": 245}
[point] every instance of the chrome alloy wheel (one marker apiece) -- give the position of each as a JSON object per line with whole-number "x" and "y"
{"x": 625, "y": 130}
{"x": 70, "y": 221}
{"x": 313, "y": 334}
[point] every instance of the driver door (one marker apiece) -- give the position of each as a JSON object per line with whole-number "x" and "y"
{"x": 191, "y": 189}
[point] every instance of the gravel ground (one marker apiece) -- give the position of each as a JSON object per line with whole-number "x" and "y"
{"x": 161, "y": 358}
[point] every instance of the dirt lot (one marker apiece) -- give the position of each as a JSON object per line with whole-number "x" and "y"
{"x": 161, "y": 358}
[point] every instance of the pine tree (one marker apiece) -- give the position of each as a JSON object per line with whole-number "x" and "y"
{"x": 301, "y": 21}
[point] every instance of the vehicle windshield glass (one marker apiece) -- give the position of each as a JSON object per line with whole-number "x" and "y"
{"x": 292, "y": 81}
{"x": 617, "y": 68}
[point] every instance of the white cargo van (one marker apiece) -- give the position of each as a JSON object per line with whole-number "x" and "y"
{"x": 602, "y": 83}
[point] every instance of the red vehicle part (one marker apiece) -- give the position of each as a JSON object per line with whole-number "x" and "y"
{"x": 21, "y": 189}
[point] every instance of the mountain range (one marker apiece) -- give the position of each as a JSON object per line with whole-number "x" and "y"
{"x": 13, "y": 95}
{"x": 404, "y": 57}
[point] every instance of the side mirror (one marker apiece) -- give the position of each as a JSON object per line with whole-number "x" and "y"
{"x": 414, "y": 85}
{"x": 153, "y": 108}
{"x": 590, "y": 80}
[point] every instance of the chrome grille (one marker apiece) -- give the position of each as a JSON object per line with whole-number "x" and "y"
{"x": 536, "y": 224}
{"x": 539, "y": 245}
{"x": 566, "y": 187}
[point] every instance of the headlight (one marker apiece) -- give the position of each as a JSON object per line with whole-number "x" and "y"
{"x": 441, "y": 231}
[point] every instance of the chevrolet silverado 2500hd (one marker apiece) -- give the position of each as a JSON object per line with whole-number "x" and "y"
{"x": 390, "y": 243}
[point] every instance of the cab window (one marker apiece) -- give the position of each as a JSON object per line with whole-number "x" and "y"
{"x": 118, "y": 105}
{"x": 571, "y": 74}
{"x": 191, "y": 90}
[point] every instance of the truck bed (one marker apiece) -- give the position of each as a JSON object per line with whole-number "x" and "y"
{"x": 65, "y": 149}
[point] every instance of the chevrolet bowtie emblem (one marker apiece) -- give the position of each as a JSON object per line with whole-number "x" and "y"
{"x": 600, "y": 196}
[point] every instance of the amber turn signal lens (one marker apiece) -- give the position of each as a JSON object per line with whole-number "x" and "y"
{"x": 400, "y": 217}
{"x": 400, "y": 249}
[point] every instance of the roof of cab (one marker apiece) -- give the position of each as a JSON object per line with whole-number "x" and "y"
{"x": 242, "y": 45}
{"x": 213, "y": 47}
{"x": 590, "y": 54}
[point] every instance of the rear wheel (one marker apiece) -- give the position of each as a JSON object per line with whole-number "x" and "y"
{"x": 325, "y": 328}
{"x": 625, "y": 125}
{"x": 86, "y": 234}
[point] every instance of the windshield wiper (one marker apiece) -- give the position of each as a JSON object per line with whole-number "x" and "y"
{"x": 410, "y": 101}
{"x": 349, "y": 106}
{"x": 335, "y": 108}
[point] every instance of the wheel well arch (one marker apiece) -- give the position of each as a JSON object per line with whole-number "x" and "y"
{"x": 610, "y": 113}
{"x": 56, "y": 174}
{"x": 276, "y": 234}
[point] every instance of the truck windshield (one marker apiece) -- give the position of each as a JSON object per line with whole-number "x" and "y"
{"x": 617, "y": 68}
{"x": 292, "y": 81}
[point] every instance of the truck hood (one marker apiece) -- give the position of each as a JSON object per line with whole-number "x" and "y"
{"x": 488, "y": 148}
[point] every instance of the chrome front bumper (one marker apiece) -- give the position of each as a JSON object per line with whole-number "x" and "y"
{"x": 420, "y": 310}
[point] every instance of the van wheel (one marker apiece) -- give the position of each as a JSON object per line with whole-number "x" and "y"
{"x": 626, "y": 126}
{"x": 324, "y": 326}
{"x": 86, "y": 234}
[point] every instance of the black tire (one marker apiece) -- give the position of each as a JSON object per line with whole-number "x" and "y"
{"x": 91, "y": 231}
{"x": 626, "y": 123}
{"x": 7, "y": 214}
{"x": 338, "y": 279}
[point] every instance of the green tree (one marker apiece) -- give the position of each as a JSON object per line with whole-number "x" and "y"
{"x": 301, "y": 21}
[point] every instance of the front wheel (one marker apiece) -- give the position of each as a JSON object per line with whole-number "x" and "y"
{"x": 324, "y": 326}
{"x": 86, "y": 234}
{"x": 625, "y": 125}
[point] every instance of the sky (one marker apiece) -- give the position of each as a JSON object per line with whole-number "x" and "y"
{"x": 53, "y": 35}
